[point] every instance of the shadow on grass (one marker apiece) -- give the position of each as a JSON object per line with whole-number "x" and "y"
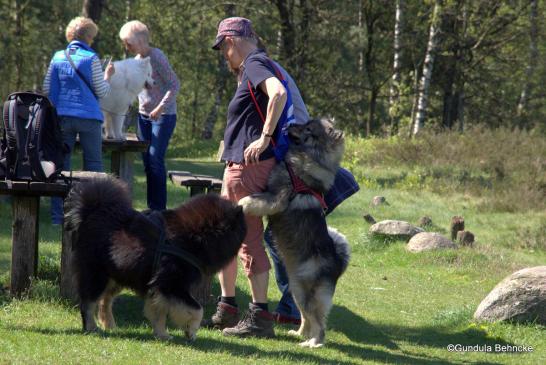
{"x": 360, "y": 331}
{"x": 239, "y": 348}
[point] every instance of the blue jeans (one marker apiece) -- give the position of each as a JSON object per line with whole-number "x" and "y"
{"x": 344, "y": 186}
{"x": 90, "y": 133}
{"x": 157, "y": 133}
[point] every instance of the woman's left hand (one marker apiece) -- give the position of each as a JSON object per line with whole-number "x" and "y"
{"x": 156, "y": 113}
{"x": 254, "y": 150}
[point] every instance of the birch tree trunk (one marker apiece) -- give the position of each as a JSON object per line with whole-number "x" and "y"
{"x": 427, "y": 69}
{"x": 533, "y": 57}
{"x": 394, "y": 93}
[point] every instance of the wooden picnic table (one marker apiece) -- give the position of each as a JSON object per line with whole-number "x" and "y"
{"x": 25, "y": 201}
{"x": 122, "y": 156}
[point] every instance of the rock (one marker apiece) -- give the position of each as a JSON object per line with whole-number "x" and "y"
{"x": 465, "y": 238}
{"x": 520, "y": 297}
{"x": 395, "y": 228}
{"x": 457, "y": 224}
{"x": 368, "y": 218}
{"x": 429, "y": 241}
{"x": 378, "y": 200}
{"x": 424, "y": 221}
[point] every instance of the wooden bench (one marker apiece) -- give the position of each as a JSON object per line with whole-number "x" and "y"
{"x": 198, "y": 184}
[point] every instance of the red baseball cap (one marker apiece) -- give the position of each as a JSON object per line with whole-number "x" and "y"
{"x": 236, "y": 26}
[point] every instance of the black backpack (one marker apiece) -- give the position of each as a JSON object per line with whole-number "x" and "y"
{"x": 31, "y": 139}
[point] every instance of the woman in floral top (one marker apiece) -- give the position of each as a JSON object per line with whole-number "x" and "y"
{"x": 157, "y": 110}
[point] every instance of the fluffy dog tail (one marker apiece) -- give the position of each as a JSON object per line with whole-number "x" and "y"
{"x": 105, "y": 194}
{"x": 343, "y": 250}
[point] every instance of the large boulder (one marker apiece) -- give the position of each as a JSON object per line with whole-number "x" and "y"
{"x": 425, "y": 241}
{"x": 395, "y": 228}
{"x": 520, "y": 297}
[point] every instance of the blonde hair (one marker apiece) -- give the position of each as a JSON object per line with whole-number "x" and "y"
{"x": 135, "y": 32}
{"x": 82, "y": 29}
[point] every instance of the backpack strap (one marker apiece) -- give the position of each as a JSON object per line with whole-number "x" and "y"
{"x": 34, "y": 125}
{"x": 279, "y": 75}
{"x": 79, "y": 73}
{"x": 10, "y": 115}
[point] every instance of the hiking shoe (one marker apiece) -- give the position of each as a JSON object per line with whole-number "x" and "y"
{"x": 284, "y": 319}
{"x": 226, "y": 316}
{"x": 256, "y": 322}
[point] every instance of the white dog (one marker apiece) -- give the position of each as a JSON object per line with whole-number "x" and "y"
{"x": 131, "y": 76}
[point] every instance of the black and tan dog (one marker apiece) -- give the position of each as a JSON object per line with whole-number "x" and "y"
{"x": 160, "y": 256}
{"x": 315, "y": 255}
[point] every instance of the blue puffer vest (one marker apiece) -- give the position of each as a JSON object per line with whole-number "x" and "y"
{"x": 68, "y": 92}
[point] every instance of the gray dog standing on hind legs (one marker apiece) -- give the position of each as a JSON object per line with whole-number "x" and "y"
{"x": 315, "y": 255}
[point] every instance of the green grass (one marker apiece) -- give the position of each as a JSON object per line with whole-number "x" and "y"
{"x": 390, "y": 306}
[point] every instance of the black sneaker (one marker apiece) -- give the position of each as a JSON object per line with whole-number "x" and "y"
{"x": 256, "y": 322}
{"x": 226, "y": 316}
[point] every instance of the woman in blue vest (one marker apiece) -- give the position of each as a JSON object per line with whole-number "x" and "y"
{"x": 74, "y": 82}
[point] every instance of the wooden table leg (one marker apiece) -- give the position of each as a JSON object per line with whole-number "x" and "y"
{"x": 68, "y": 289}
{"x": 195, "y": 190}
{"x": 122, "y": 166}
{"x": 24, "y": 252}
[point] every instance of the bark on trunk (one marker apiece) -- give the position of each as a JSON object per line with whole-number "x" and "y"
{"x": 394, "y": 94}
{"x": 221, "y": 80}
{"x": 287, "y": 32}
{"x": 533, "y": 57}
{"x": 427, "y": 69}
{"x": 92, "y": 9}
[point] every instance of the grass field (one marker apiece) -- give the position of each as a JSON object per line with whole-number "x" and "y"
{"x": 391, "y": 307}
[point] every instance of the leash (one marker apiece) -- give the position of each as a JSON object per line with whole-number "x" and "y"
{"x": 298, "y": 184}
{"x": 165, "y": 246}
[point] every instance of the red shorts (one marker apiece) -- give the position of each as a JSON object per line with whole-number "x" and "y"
{"x": 241, "y": 180}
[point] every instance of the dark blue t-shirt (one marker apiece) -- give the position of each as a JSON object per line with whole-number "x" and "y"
{"x": 244, "y": 124}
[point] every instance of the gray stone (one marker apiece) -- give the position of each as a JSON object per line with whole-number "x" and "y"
{"x": 424, "y": 221}
{"x": 395, "y": 228}
{"x": 520, "y": 297}
{"x": 426, "y": 241}
{"x": 378, "y": 200}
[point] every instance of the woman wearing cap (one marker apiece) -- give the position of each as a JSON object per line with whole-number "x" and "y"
{"x": 74, "y": 82}
{"x": 249, "y": 161}
{"x": 157, "y": 110}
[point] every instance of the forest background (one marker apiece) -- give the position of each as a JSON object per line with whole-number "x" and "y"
{"x": 378, "y": 67}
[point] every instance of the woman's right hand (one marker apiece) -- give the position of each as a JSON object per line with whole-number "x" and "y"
{"x": 110, "y": 70}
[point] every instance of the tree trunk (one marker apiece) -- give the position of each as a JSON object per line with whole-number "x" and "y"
{"x": 304, "y": 32}
{"x": 92, "y": 9}
{"x": 212, "y": 117}
{"x": 415, "y": 98}
{"x": 359, "y": 113}
{"x": 427, "y": 69}
{"x": 288, "y": 32}
{"x": 394, "y": 94}
{"x": 19, "y": 59}
{"x": 371, "y": 111}
{"x": 531, "y": 66}
{"x": 221, "y": 80}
